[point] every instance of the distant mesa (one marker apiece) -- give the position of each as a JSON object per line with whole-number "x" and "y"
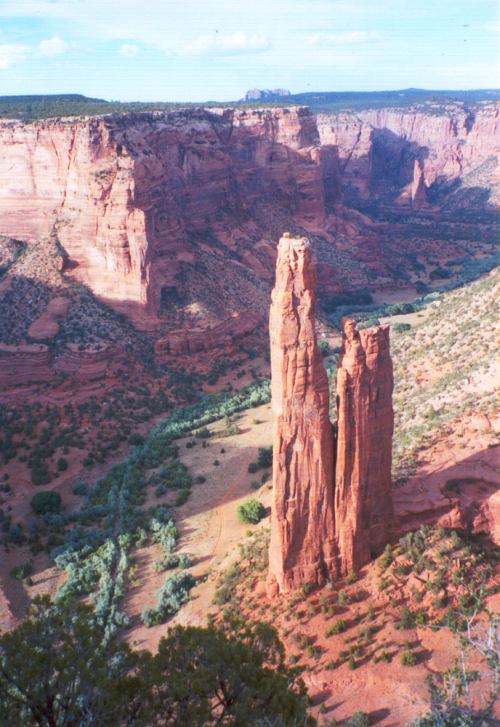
{"x": 257, "y": 93}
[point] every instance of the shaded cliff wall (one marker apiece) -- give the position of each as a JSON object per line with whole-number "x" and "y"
{"x": 363, "y": 491}
{"x": 302, "y": 547}
{"x": 385, "y": 143}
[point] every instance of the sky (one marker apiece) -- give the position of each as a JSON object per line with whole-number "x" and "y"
{"x": 216, "y": 50}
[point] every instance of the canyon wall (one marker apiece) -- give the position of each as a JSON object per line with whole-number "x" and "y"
{"x": 363, "y": 487}
{"x": 127, "y": 193}
{"x": 385, "y": 143}
{"x": 302, "y": 547}
{"x": 150, "y": 205}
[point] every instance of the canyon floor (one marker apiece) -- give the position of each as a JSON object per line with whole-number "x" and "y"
{"x": 446, "y": 474}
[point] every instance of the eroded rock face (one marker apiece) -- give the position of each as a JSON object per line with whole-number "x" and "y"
{"x": 363, "y": 495}
{"x": 224, "y": 333}
{"x": 131, "y": 196}
{"x": 302, "y": 547}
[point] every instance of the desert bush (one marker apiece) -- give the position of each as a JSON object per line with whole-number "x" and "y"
{"x": 22, "y": 571}
{"x": 80, "y": 488}
{"x": 401, "y": 327}
{"x": 203, "y": 433}
{"x": 359, "y": 719}
{"x": 408, "y": 658}
{"x": 351, "y": 577}
{"x": 265, "y": 457}
{"x": 182, "y": 496}
{"x": 252, "y": 511}
{"x": 45, "y": 502}
{"x": 172, "y": 594}
{"x": 343, "y": 597}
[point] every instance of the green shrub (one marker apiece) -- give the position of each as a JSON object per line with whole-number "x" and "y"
{"x": 343, "y": 598}
{"x": 44, "y": 502}
{"x": 19, "y": 572}
{"x": 359, "y": 719}
{"x": 172, "y": 594}
{"x": 324, "y": 347}
{"x": 401, "y": 327}
{"x": 253, "y": 467}
{"x": 351, "y": 577}
{"x": 203, "y": 433}
{"x": 265, "y": 458}
{"x": 182, "y": 496}
{"x": 408, "y": 658}
{"x": 252, "y": 511}
{"x": 136, "y": 439}
{"x": 62, "y": 464}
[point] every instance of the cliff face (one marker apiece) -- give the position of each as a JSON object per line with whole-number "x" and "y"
{"x": 125, "y": 192}
{"x": 363, "y": 494}
{"x": 332, "y": 496}
{"x": 150, "y": 206}
{"x": 386, "y": 143}
{"x": 302, "y": 547}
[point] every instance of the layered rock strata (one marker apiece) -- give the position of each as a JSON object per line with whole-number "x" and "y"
{"x": 222, "y": 334}
{"x": 35, "y": 363}
{"x": 302, "y": 547}
{"x": 363, "y": 494}
{"x": 132, "y": 196}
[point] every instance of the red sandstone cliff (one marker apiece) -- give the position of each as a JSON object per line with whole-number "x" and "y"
{"x": 386, "y": 142}
{"x": 302, "y": 547}
{"x": 363, "y": 494}
{"x": 126, "y": 193}
{"x": 224, "y": 333}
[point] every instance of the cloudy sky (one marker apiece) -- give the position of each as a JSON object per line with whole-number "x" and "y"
{"x": 201, "y": 50}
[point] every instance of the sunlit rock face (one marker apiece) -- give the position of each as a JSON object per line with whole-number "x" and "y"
{"x": 302, "y": 547}
{"x": 363, "y": 490}
{"x": 332, "y": 498}
{"x": 125, "y": 193}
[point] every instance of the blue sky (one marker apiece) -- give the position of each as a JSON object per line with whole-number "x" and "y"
{"x": 201, "y": 50}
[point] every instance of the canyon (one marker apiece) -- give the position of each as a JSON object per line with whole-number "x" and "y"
{"x": 332, "y": 490}
{"x": 170, "y": 216}
{"x": 138, "y": 256}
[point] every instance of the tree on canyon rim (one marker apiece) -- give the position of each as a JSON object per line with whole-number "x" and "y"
{"x": 56, "y": 670}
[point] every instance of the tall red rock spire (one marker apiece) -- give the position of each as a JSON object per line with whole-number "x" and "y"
{"x": 363, "y": 494}
{"x": 302, "y": 547}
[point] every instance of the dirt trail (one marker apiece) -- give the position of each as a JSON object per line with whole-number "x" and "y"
{"x": 222, "y": 508}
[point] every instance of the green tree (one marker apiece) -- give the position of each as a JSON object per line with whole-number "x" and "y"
{"x": 223, "y": 676}
{"x": 47, "y": 501}
{"x": 56, "y": 671}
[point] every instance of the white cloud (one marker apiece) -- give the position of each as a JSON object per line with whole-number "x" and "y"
{"x": 129, "y": 51}
{"x": 12, "y": 54}
{"x": 352, "y": 38}
{"x": 225, "y": 45}
{"x": 53, "y": 47}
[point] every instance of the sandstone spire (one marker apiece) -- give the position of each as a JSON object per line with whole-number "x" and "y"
{"x": 363, "y": 495}
{"x": 302, "y": 547}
